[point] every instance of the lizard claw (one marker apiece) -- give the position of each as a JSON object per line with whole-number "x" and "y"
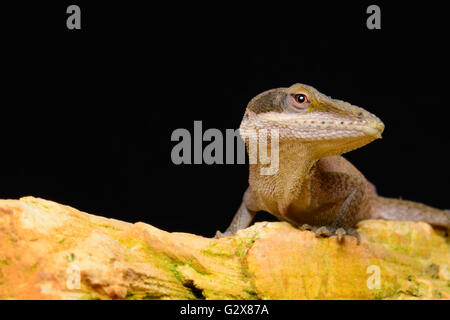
{"x": 306, "y": 227}
{"x": 222, "y": 234}
{"x": 340, "y": 234}
{"x": 219, "y": 235}
{"x": 354, "y": 233}
{"x": 323, "y": 232}
{"x": 328, "y": 231}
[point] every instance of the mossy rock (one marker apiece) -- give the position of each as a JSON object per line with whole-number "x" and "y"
{"x": 52, "y": 251}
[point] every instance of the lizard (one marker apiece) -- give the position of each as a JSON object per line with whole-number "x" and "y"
{"x": 315, "y": 188}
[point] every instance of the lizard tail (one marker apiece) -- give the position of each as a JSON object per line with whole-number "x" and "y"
{"x": 396, "y": 209}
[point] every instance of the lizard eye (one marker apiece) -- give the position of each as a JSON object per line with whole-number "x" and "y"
{"x": 300, "y": 98}
{"x": 301, "y": 101}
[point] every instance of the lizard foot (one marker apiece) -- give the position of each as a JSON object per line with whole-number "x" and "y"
{"x": 328, "y": 231}
{"x": 218, "y": 235}
{"x": 221, "y": 235}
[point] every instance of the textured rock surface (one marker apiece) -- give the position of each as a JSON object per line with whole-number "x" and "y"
{"x": 45, "y": 248}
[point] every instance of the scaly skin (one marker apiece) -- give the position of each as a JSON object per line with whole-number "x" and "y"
{"x": 315, "y": 188}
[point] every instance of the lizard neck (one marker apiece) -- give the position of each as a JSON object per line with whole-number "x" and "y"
{"x": 277, "y": 190}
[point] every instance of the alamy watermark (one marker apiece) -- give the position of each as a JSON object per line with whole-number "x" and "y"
{"x": 374, "y": 20}
{"x": 73, "y": 280}
{"x": 73, "y": 21}
{"x": 374, "y": 280}
{"x": 263, "y": 147}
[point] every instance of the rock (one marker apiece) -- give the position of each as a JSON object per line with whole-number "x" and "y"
{"x": 52, "y": 251}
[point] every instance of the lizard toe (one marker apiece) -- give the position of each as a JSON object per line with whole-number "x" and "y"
{"x": 352, "y": 232}
{"x": 340, "y": 234}
{"x": 323, "y": 232}
{"x": 306, "y": 227}
{"x": 329, "y": 231}
{"x": 219, "y": 235}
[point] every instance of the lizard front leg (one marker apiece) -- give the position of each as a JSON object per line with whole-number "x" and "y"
{"x": 241, "y": 220}
{"x": 336, "y": 187}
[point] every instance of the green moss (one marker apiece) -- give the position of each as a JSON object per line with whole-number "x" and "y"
{"x": 31, "y": 269}
{"x": 131, "y": 296}
{"x": 172, "y": 266}
{"x": 107, "y": 226}
{"x": 437, "y": 294}
{"x": 133, "y": 243}
{"x": 243, "y": 246}
{"x": 252, "y": 295}
{"x": 90, "y": 296}
{"x": 129, "y": 258}
{"x": 157, "y": 259}
{"x": 218, "y": 251}
{"x": 251, "y": 241}
{"x": 70, "y": 257}
{"x": 138, "y": 295}
{"x": 5, "y": 262}
{"x": 213, "y": 251}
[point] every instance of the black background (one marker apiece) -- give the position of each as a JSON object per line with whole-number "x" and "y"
{"x": 87, "y": 115}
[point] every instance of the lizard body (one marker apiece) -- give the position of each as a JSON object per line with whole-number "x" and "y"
{"x": 314, "y": 187}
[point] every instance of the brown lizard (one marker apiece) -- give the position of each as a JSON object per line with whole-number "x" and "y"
{"x": 315, "y": 188}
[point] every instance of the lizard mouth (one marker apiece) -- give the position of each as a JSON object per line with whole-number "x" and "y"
{"x": 375, "y": 130}
{"x": 291, "y": 127}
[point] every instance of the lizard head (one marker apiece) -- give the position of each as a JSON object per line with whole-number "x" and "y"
{"x": 301, "y": 113}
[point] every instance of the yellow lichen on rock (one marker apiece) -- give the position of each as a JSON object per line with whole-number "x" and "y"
{"x": 52, "y": 251}
{"x": 297, "y": 265}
